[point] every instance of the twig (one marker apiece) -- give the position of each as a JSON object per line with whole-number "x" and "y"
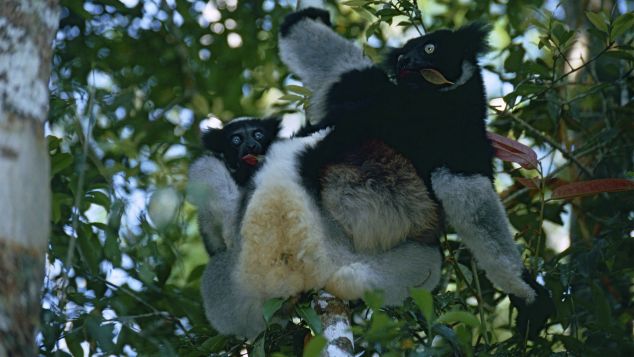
{"x": 545, "y": 138}
{"x": 483, "y": 322}
{"x": 79, "y": 192}
{"x": 334, "y": 315}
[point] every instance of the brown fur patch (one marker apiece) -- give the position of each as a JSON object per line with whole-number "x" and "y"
{"x": 375, "y": 185}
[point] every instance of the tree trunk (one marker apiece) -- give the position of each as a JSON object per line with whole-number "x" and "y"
{"x": 27, "y": 28}
{"x": 334, "y": 314}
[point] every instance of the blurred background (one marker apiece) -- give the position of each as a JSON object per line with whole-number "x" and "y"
{"x": 135, "y": 81}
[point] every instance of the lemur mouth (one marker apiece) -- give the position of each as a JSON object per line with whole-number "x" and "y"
{"x": 251, "y": 159}
{"x": 434, "y": 77}
{"x": 405, "y": 72}
{"x": 429, "y": 74}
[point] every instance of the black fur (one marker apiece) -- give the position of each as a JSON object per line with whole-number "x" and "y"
{"x": 310, "y": 12}
{"x": 430, "y": 124}
{"x": 531, "y": 318}
{"x": 431, "y": 127}
{"x": 219, "y": 141}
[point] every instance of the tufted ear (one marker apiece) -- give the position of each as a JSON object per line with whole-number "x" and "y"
{"x": 272, "y": 125}
{"x": 390, "y": 59}
{"x": 213, "y": 140}
{"x": 474, "y": 38}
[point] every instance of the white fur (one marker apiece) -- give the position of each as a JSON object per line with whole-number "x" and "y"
{"x": 393, "y": 271}
{"x": 474, "y": 209}
{"x": 319, "y": 57}
{"x": 212, "y": 189}
{"x": 283, "y": 250}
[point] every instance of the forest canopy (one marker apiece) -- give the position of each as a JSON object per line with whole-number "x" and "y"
{"x": 134, "y": 81}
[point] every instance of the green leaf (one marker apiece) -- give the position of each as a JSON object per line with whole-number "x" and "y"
{"x": 214, "y": 344}
{"x": 465, "y": 317}
{"x": 315, "y": 346}
{"x": 111, "y": 249}
{"x": 354, "y": 3}
{"x": 200, "y": 104}
{"x": 309, "y": 315}
{"x": 291, "y": 98}
{"x": 101, "y": 333}
{"x": 598, "y": 20}
{"x": 258, "y": 347}
{"x": 298, "y": 89}
{"x": 99, "y": 198}
{"x": 622, "y": 24}
{"x": 73, "y": 342}
{"x": 374, "y": 299}
{"x": 425, "y": 303}
{"x": 387, "y": 13}
{"x": 60, "y": 161}
{"x": 271, "y": 306}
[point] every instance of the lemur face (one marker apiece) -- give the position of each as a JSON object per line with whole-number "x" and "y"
{"x": 242, "y": 144}
{"x": 440, "y": 59}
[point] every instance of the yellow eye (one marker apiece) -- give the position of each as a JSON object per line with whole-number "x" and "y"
{"x": 429, "y": 48}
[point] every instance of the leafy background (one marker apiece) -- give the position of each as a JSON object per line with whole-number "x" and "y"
{"x": 133, "y": 80}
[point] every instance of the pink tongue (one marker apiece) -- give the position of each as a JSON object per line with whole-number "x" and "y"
{"x": 250, "y": 160}
{"x": 404, "y": 73}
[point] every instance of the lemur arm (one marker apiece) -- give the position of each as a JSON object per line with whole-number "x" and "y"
{"x": 316, "y": 54}
{"x": 474, "y": 209}
{"x": 212, "y": 189}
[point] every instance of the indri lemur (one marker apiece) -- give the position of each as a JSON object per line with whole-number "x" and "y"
{"x": 314, "y": 195}
{"x": 281, "y": 243}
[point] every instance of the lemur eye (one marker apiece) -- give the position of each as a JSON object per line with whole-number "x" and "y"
{"x": 258, "y": 135}
{"x": 429, "y": 48}
{"x": 236, "y": 140}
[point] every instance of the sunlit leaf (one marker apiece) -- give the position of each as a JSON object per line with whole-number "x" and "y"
{"x": 309, "y": 315}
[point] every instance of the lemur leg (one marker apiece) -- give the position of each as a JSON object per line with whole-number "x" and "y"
{"x": 394, "y": 271}
{"x": 212, "y": 189}
{"x": 474, "y": 209}
{"x": 284, "y": 250}
{"x": 230, "y": 309}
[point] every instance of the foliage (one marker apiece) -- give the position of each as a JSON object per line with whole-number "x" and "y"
{"x": 132, "y": 82}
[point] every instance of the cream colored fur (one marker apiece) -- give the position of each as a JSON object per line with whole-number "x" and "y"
{"x": 283, "y": 251}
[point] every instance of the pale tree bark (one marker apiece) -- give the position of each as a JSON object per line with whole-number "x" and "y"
{"x": 27, "y": 28}
{"x": 334, "y": 314}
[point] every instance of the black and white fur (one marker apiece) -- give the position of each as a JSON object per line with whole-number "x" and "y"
{"x": 242, "y": 138}
{"x": 283, "y": 242}
{"x": 438, "y": 127}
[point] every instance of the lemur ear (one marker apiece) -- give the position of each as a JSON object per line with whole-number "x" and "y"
{"x": 273, "y": 125}
{"x": 474, "y": 38}
{"x": 213, "y": 140}
{"x": 390, "y": 60}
